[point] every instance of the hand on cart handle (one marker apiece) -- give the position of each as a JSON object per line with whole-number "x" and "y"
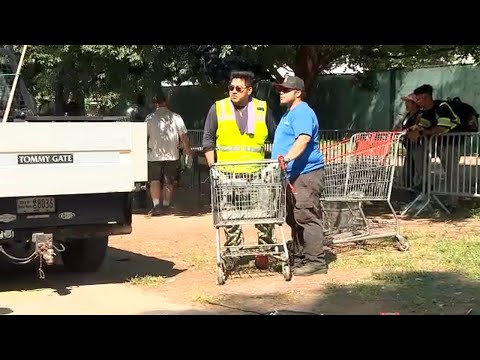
{"x": 214, "y": 173}
{"x": 283, "y": 165}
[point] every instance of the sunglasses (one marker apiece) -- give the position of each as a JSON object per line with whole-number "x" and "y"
{"x": 285, "y": 90}
{"x": 236, "y": 88}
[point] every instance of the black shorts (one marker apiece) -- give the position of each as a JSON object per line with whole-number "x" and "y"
{"x": 163, "y": 171}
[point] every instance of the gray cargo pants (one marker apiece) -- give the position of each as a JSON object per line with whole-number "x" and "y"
{"x": 304, "y": 216}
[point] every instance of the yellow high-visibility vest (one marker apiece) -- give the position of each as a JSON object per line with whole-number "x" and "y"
{"x": 231, "y": 145}
{"x": 442, "y": 121}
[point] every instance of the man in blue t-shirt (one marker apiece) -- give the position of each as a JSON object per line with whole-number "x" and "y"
{"x": 297, "y": 139}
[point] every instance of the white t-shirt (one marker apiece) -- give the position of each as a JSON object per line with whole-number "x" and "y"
{"x": 164, "y": 128}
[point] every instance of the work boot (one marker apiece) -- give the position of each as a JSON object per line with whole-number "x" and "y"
{"x": 310, "y": 269}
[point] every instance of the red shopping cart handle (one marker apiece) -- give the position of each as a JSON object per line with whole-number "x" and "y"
{"x": 283, "y": 165}
{"x": 281, "y": 160}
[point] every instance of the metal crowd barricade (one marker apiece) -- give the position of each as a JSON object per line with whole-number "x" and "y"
{"x": 331, "y": 137}
{"x": 244, "y": 193}
{"x": 450, "y": 171}
{"x": 327, "y": 138}
{"x": 196, "y": 138}
{"x": 360, "y": 170}
{"x": 410, "y": 165}
{"x": 199, "y": 177}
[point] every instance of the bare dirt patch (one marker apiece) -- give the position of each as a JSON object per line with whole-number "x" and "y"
{"x": 363, "y": 279}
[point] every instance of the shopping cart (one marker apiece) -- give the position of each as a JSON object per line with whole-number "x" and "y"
{"x": 360, "y": 170}
{"x": 249, "y": 193}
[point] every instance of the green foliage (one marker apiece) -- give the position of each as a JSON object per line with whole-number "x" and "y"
{"x": 110, "y": 74}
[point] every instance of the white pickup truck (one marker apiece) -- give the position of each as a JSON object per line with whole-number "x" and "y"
{"x": 65, "y": 187}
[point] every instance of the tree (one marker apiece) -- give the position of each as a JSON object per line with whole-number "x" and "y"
{"x": 105, "y": 73}
{"x": 308, "y": 61}
{"x": 112, "y": 74}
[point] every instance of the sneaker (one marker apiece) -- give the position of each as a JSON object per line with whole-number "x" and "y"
{"x": 310, "y": 269}
{"x": 156, "y": 211}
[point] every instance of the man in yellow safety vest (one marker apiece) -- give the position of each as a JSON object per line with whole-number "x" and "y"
{"x": 236, "y": 128}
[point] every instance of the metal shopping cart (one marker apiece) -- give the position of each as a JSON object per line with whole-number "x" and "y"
{"x": 249, "y": 193}
{"x": 360, "y": 171}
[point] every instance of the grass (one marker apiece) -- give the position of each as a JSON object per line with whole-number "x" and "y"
{"x": 462, "y": 255}
{"x": 413, "y": 292}
{"x": 382, "y": 255}
{"x": 148, "y": 280}
{"x": 439, "y": 275}
{"x": 201, "y": 260}
{"x": 468, "y": 209}
{"x": 204, "y": 298}
{"x": 475, "y": 213}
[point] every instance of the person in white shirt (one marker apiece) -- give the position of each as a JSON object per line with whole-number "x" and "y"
{"x": 165, "y": 130}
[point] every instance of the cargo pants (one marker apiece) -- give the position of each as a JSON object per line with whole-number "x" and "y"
{"x": 234, "y": 235}
{"x": 304, "y": 216}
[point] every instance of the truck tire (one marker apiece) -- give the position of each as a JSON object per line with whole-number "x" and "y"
{"x": 85, "y": 255}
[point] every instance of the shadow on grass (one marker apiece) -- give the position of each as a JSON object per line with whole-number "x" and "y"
{"x": 225, "y": 310}
{"x": 408, "y": 293}
{"x": 422, "y": 293}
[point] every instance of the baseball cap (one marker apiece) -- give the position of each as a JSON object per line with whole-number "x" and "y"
{"x": 291, "y": 82}
{"x": 410, "y": 97}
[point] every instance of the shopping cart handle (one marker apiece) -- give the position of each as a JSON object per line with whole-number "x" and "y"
{"x": 283, "y": 165}
{"x": 281, "y": 160}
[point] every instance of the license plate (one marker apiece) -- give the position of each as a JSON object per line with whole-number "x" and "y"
{"x": 36, "y": 205}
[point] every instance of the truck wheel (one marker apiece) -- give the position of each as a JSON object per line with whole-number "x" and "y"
{"x": 85, "y": 255}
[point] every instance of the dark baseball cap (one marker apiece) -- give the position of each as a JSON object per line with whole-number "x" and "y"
{"x": 291, "y": 82}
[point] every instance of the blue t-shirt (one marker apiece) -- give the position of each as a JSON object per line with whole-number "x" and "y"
{"x": 300, "y": 120}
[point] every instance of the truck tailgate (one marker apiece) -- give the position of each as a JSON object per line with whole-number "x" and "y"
{"x": 71, "y": 158}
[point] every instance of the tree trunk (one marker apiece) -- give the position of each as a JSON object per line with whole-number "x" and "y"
{"x": 77, "y": 105}
{"x": 59, "y": 99}
{"x": 311, "y": 60}
{"x": 307, "y": 64}
{"x": 60, "y": 102}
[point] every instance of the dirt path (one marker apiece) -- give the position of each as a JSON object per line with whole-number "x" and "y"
{"x": 89, "y": 300}
{"x": 182, "y": 279}
{"x": 23, "y": 293}
{"x": 167, "y": 266}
